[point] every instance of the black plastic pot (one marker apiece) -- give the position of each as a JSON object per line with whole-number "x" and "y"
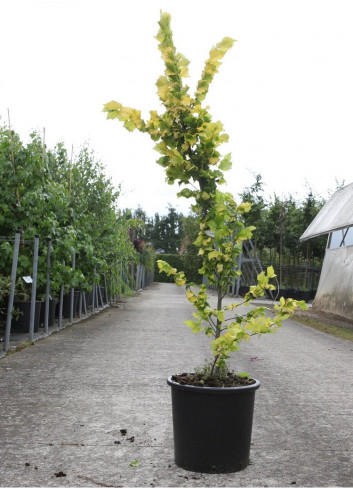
{"x": 67, "y": 305}
{"x": 212, "y": 427}
{"x": 302, "y": 295}
{"x": 243, "y": 289}
{"x": 21, "y": 324}
{"x": 52, "y": 307}
{"x": 88, "y": 299}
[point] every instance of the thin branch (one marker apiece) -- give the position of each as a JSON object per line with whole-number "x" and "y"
{"x": 214, "y": 364}
{"x": 210, "y": 320}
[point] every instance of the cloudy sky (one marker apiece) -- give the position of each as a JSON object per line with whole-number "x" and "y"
{"x": 284, "y": 92}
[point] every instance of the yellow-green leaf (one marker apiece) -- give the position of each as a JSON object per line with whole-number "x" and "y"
{"x": 226, "y": 163}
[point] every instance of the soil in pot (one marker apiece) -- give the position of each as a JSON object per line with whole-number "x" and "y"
{"x": 200, "y": 379}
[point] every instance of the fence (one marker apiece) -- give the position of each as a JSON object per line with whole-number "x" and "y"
{"x": 294, "y": 281}
{"x": 143, "y": 277}
{"x": 103, "y": 291}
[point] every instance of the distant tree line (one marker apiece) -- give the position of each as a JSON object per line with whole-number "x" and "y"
{"x": 279, "y": 222}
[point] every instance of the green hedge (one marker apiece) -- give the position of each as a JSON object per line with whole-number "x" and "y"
{"x": 189, "y": 264}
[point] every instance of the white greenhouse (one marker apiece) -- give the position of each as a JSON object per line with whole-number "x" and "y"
{"x": 335, "y": 289}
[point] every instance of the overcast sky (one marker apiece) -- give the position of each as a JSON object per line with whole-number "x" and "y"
{"x": 284, "y": 92}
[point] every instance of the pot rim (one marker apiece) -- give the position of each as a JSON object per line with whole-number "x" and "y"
{"x": 216, "y": 390}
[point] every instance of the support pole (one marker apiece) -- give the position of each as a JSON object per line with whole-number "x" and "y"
{"x": 94, "y": 291}
{"x": 34, "y": 287}
{"x": 105, "y": 288}
{"x": 80, "y": 304}
{"x": 84, "y": 303}
{"x": 61, "y": 301}
{"x": 12, "y": 290}
{"x": 72, "y": 291}
{"x": 143, "y": 276}
{"x": 47, "y": 289}
{"x": 100, "y": 295}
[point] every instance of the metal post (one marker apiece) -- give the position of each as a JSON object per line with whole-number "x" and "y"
{"x": 110, "y": 287}
{"x": 137, "y": 276}
{"x": 61, "y": 301}
{"x": 12, "y": 290}
{"x": 47, "y": 288}
{"x": 80, "y": 304}
{"x": 141, "y": 277}
{"x": 72, "y": 291}
{"x": 105, "y": 288}
{"x": 100, "y": 295}
{"x": 84, "y": 303}
{"x": 94, "y": 292}
{"x": 132, "y": 272}
{"x": 34, "y": 287}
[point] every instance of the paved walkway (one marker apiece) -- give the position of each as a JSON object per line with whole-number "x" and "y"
{"x": 65, "y": 400}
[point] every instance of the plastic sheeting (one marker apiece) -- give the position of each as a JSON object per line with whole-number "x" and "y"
{"x": 335, "y": 290}
{"x": 337, "y": 213}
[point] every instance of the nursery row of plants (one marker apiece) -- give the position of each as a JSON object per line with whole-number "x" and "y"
{"x": 69, "y": 199}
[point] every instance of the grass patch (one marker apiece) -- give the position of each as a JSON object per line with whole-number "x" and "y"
{"x": 22, "y": 346}
{"x": 346, "y": 334}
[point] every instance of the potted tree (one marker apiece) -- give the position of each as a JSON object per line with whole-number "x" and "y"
{"x": 212, "y": 408}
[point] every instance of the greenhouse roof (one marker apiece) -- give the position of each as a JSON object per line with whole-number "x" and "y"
{"x": 337, "y": 213}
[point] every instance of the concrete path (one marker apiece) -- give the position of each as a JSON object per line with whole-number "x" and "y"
{"x": 65, "y": 400}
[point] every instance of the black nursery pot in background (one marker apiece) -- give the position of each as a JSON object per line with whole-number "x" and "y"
{"x": 212, "y": 426}
{"x": 67, "y": 305}
{"x": 51, "y": 315}
{"x": 21, "y": 324}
